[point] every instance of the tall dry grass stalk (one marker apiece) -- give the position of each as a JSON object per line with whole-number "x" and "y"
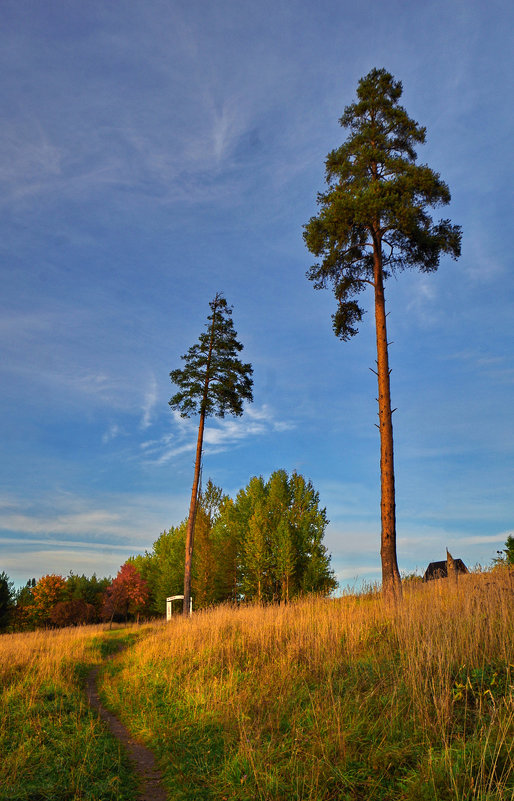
{"x": 332, "y": 698}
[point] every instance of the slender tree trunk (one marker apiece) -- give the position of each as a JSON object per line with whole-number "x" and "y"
{"x": 191, "y": 519}
{"x": 391, "y": 582}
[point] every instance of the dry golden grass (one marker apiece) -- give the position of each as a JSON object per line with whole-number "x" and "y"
{"x": 51, "y": 745}
{"x": 333, "y": 699}
{"x": 325, "y": 700}
{"x": 45, "y": 651}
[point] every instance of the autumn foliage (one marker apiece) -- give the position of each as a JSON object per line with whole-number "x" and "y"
{"x": 72, "y": 613}
{"x": 48, "y": 592}
{"x": 127, "y": 594}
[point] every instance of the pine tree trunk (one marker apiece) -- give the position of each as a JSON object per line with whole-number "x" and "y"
{"x": 391, "y": 582}
{"x": 191, "y": 519}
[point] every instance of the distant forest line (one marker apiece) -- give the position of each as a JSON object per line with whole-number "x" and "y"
{"x": 264, "y": 546}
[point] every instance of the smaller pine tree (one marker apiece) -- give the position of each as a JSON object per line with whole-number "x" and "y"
{"x": 213, "y": 382}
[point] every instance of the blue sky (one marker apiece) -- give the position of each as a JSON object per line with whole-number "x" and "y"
{"x": 152, "y": 154}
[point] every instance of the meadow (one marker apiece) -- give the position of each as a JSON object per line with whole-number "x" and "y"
{"x": 331, "y": 699}
{"x": 320, "y": 699}
{"x": 52, "y": 746}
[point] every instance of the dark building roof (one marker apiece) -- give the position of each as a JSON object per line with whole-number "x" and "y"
{"x": 437, "y": 570}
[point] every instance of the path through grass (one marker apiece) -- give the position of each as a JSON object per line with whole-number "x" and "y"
{"x": 332, "y": 700}
{"x": 52, "y": 745}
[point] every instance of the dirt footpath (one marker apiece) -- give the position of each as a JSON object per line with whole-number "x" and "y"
{"x": 145, "y": 766}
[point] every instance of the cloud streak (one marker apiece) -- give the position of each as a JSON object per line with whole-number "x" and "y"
{"x": 220, "y": 434}
{"x": 120, "y": 518}
{"x": 149, "y": 404}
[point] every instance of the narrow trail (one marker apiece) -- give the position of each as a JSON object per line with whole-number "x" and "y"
{"x": 143, "y": 760}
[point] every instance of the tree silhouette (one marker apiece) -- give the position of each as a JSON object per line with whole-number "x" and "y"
{"x": 6, "y": 600}
{"x": 213, "y": 382}
{"x": 374, "y": 221}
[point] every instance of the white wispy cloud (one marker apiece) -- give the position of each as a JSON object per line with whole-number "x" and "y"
{"x": 149, "y": 403}
{"x": 219, "y": 435}
{"x": 28, "y": 157}
{"x": 422, "y": 304}
{"x": 60, "y": 561}
{"x": 64, "y": 531}
{"x": 486, "y": 539}
{"x": 118, "y": 519}
{"x": 179, "y": 136}
{"x": 112, "y": 432}
{"x": 53, "y": 543}
{"x": 348, "y": 573}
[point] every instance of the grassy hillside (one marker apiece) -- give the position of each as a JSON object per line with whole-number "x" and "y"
{"x": 320, "y": 699}
{"x": 332, "y": 699}
{"x": 51, "y": 745}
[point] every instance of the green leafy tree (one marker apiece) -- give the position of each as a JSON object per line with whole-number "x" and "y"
{"x": 276, "y": 529}
{"x": 7, "y": 600}
{"x": 165, "y": 575}
{"x": 374, "y": 221}
{"x": 163, "y": 566}
{"x": 204, "y": 569}
{"x": 308, "y": 522}
{"x": 213, "y": 382}
{"x": 256, "y": 543}
{"x": 280, "y": 534}
{"x": 23, "y": 617}
{"x": 89, "y": 589}
{"x": 284, "y": 559}
{"x": 202, "y": 577}
{"x": 266, "y": 545}
{"x": 227, "y": 552}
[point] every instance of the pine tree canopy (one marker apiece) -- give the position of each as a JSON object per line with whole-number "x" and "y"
{"x": 213, "y": 380}
{"x": 377, "y": 201}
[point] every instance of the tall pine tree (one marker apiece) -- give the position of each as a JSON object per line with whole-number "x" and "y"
{"x": 212, "y": 382}
{"x": 373, "y": 221}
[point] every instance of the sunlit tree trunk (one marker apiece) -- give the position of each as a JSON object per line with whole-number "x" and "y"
{"x": 391, "y": 582}
{"x": 191, "y": 519}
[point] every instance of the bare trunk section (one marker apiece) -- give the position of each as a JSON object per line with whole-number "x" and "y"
{"x": 191, "y": 519}
{"x": 391, "y": 582}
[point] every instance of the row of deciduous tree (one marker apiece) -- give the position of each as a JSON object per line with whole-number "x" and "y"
{"x": 75, "y": 600}
{"x": 265, "y": 545}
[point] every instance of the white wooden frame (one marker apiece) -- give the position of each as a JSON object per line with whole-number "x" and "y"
{"x": 169, "y": 602}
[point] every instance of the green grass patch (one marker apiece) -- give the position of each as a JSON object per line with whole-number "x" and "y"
{"x": 53, "y": 746}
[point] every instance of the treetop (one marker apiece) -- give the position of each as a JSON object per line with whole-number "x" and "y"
{"x": 213, "y": 381}
{"x": 374, "y": 215}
